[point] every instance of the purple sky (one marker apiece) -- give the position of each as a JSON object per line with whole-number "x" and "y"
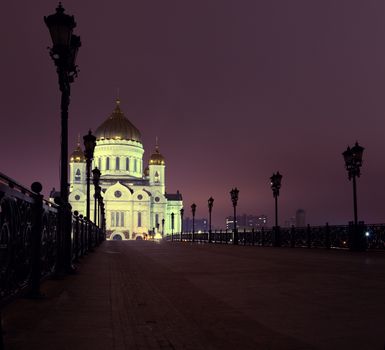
{"x": 235, "y": 90}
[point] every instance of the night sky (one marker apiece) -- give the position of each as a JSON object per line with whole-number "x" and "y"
{"x": 235, "y": 90}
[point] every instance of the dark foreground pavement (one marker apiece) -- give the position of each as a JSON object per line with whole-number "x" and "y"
{"x": 144, "y": 295}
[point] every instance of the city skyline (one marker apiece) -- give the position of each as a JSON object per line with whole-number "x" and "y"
{"x": 234, "y": 93}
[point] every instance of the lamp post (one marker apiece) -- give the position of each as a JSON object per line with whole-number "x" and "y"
{"x": 89, "y": 144}
{"x": 102, "y": 214}
{"x": 193, "y": 210}
{"x": 181, "y": 223}
{"x": 162, "y": 228}
{"x": 63, "y": 53}
{"x": 353, "y": 163}
{"x": 172, "y": 227}
{"x": 210, "y": 204}
{"x": 234, "y": 198}
{"x": 100, "y": 204}
{"x": 275, "y": 183}
{"x": 96, "y": 180}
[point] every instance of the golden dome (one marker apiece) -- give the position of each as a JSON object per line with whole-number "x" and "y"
{"x": 77, "y": 155}
{"x": 118, "y": 127}
{"x": 156, "y": 158}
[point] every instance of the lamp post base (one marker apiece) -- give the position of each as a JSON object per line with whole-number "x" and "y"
{"x": 276, "y": 236}
{"x": 235, "y": 240}
{"x": 357, "y": 239}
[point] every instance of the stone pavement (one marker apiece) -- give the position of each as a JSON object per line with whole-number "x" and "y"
{"x": 146, "y": 295}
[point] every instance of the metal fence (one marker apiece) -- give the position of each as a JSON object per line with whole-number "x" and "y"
{"x": 37, "y": 238}
{"x": 328, "y": 236}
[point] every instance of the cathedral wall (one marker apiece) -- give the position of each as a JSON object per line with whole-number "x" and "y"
{"x": 119, "y": 157}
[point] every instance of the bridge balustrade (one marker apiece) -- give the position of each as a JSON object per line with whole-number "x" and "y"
{"x": 326, "y": 237}
{"x": 32, "y": 238}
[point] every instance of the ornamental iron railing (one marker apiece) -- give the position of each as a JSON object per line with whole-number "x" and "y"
{"x": 38, "y": 238}
{"x": 328, "y": 236}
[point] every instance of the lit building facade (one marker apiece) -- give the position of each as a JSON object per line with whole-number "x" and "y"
{"x": 246, "y": 221}
{"x": 135, "y": 197}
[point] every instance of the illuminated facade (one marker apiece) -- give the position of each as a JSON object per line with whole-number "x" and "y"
{"x": 135, "y": 198}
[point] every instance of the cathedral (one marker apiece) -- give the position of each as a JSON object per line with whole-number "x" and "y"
{"x": 136, "y": 202}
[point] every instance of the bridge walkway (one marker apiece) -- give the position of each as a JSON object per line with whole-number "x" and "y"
{"x": 146, "y": 295}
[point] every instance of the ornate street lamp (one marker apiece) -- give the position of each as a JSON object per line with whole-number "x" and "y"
{"x": 210, "y": 204}
{"x": 96, "y": 179}
{"x": 89, "y": 144}
{"x": 275, "y": 183}
{"x": 162, "y": 227}
{"x": 353, "y": 163}
{"x": 234, "y": 198}
{"x": 64, "y": 52}
{"x": 193, "y": 210}
{"x": 181, "y": 223}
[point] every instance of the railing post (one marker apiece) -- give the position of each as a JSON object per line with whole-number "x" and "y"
{"x": 327, "y": 236}
{"x": 263, "y": 237}
{"x": 76, "y": 236}
{"x": 253, "y": 236}
{"x": 86, "y": 244}
{"x": 82, "y": 240}
{"x": 89, "y": 235}
{"x": 96, "y": 235}
{"x": 292, "y": 237}
{"x": 37, "y": 226}
{"x": 308, "y": 236}
{"x": 67, "y": 238}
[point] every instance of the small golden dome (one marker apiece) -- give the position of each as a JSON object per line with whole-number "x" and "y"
{"x": 156, "y": 158}
{"x": 77, "y": 155}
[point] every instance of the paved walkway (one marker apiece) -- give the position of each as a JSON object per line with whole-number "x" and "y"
{"x": 144, "y": 295}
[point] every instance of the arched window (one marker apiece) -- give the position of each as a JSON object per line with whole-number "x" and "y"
{"x": 117, "y": 219}
{"x": 112, "y": 219}
{"x": 127, "y": 163}
{"x": 139, "y": 219}
{"x": 77, "y": 175}
{"x": 117, "y": 163}
{"x": 108, "y": 163}
{"x": 135, "y": 166}
{"x": 100, "y": 163}
{"x": 156, "y": 176}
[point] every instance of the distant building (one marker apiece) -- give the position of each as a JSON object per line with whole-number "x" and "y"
{"x": 300, "y": 218}
{"x": 199, "y": 225}
{"x": 246, "y": 221}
